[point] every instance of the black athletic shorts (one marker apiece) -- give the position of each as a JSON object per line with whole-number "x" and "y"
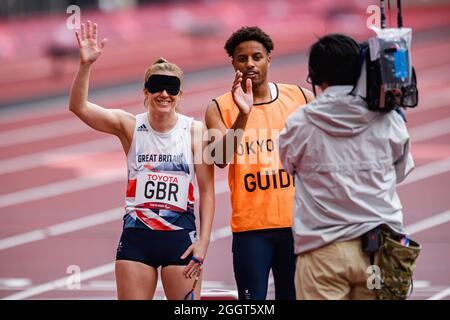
{"x": 154, "y": 247}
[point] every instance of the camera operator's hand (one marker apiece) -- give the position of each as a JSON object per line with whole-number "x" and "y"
{"x": 397, "y": 96}
{"x": 87, "y": 41}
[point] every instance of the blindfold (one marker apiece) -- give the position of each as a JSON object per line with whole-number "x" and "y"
{"x": 159, "y": 83}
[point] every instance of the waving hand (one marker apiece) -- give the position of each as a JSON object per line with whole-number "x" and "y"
{"x": 87, "y": 40}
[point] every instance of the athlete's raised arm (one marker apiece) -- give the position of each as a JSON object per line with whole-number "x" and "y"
{"x": 114, "y": 121}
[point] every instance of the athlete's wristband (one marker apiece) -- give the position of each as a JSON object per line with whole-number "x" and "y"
{"x": 196, "y": 260}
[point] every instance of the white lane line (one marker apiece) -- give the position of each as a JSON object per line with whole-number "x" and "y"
{"x": 35, "y": 110}
{"x": 428, "y": 170}
{"x": 108, "y": 97}
{"x": 14, "y": 283}
{"x": 430, "y": 222}
{"x": 85, "y": 275}
{"x": 73, "y": 125}
{"x": 62, "y": 282}
{"x": 62, "y": 228}
{"x": 422, "y": 284}
{"x": 22, "y": 238}
{"x": 103, "y": 285}
{"x": 210, "y": 288}
{"x": 59, "y": 188}
{"x": 220, "y": 233}
{"x": 72, "y": 185}
{"x": 40, "y": 132}
{"x": 85, "y": 222}
{"x": 430, "y": 130}
{"x": 438, "y": 99}
{"x": 440, "y": 295}
{"x": 433, "y": 75}
{"x": 221, "y": 186}
{"x": 58, "y": 155}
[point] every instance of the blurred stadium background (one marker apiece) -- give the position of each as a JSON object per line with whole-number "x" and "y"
{"x": 62, "y": 184}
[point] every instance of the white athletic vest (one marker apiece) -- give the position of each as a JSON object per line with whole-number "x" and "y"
{"x": 160, "y": 192}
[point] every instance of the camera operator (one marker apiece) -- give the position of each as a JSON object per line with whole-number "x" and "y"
{"x": 346, "y": 161}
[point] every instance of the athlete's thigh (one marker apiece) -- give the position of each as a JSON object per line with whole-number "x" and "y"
{"x": 135, "y": 280}
{"x": 174, "y": 244}
{"x": 176, "y": 285}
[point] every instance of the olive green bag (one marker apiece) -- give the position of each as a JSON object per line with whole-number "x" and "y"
{"x": 397, "y": 263}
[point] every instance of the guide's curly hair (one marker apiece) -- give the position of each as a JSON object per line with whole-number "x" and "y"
{"x": 247, "y": 34}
